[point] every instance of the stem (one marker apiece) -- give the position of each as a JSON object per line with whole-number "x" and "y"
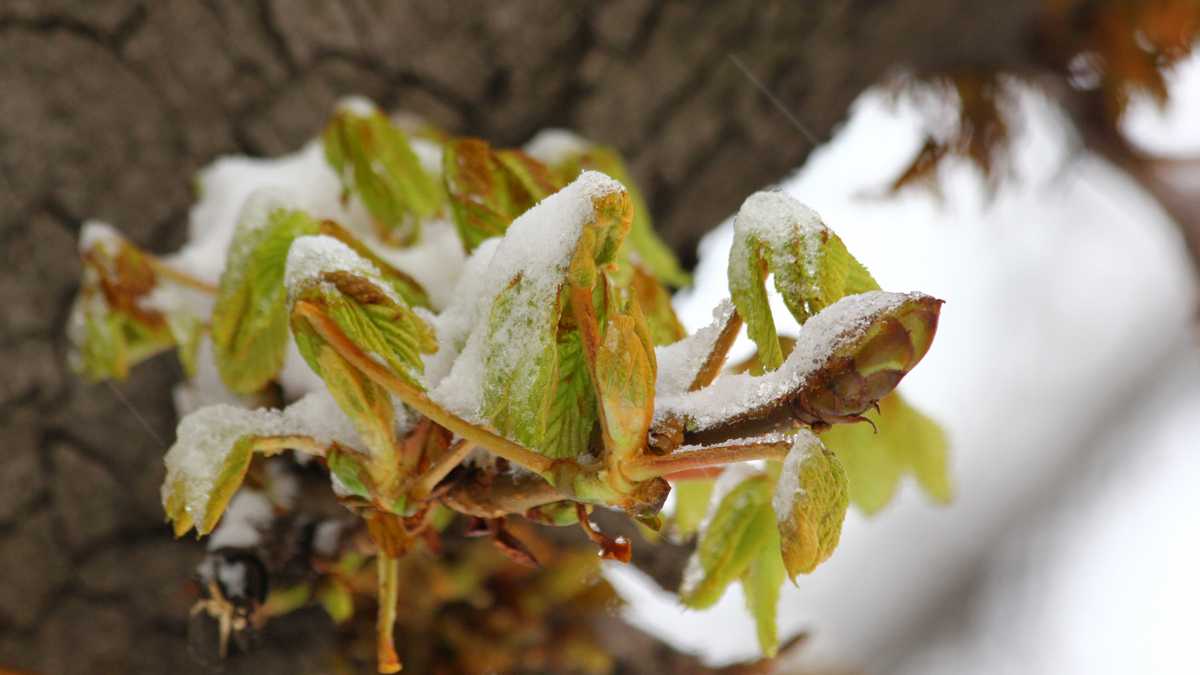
{"x": 716, "y": 358}
{"x": 417, "y": 399}
{"x": 162, "y": 269}
{"x": 505, "y": 494}
{"x": 442, "y": 466}
{"x": 388, "y": 570}
{"x": 649, "y": 467}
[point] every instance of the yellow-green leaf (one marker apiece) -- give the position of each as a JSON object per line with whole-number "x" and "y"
{"x": 250, "y": 321}
{"x": 775, "y": 234}
{"x": 375, "y": 161}
{"x": 112, "y": 326}
{"x": 761, "y": 584}
{"x": 735, "y": 536}
{"x": 691, "y": 503}
{"x": 336, "y": 599}
{"x": 907, "y": 441}
{"x": 351, "y": 292}
{"x": 573, "y": 408}
{"x": 810, "y": 504}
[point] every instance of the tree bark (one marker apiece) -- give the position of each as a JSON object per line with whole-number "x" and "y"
{"x": 109, "y": 109}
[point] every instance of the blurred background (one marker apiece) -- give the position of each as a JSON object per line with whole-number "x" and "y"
{"x": 1034, "y": 163}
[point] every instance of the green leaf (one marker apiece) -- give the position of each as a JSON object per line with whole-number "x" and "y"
{"x": 375, "y": 161}
{"x": 625, "y": 375}
{"x": 336, "y": 600}
{"x": 573, "y": 408}
{"x": 643, "y": 241}
{"x": 533, "y": 389}
{"x": 691, "y": 503}
{"x": 112, "y": 327}
{"x": 488, "y": 189}
{"x": 208, "y": 461}
{"x": 810, "y": 504}
{"x": 761, "y": 584}
{"x": 250, "y": 320}
{"x": 351, "y": 292}
{"x": 907, "y": 441}
{"x": 740, "y": 526}
{"x": 775, "y": 234}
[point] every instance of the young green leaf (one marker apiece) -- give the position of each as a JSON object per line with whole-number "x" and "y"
{"x": 691, "y": 503}
{"x": 573, "y": 409}
{"x": 531, "y": 389}
{"x": 488, "y": 189}
{"x": 249, "y": 320}
{"x": 327, "y": 273}
{"x": 375, "y": 161}
{"x": 741, "y": 524}
{"x": 761, "y": 584}
{"x": 810, "y": 504}
{"x": 775, "y": 234}
{"x": 213, "y": 449}
{"x": 113, "y": 325}
{"x": 625, "y": 375}
{"x": 906, "y": 440}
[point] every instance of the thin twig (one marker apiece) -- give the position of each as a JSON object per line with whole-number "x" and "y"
{"x": 687, "y": 460}
{"x": 162, "y": 269}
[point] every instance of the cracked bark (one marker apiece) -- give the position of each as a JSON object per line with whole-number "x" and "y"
{"x": 110, "y": 108}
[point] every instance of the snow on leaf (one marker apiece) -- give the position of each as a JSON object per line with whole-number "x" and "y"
{"x": 775, "y": 234}
{"x": 506, "y": 373}
{"x": 733, "y": 538}
{"x": 249, "y": 320}
{"x": 375, "y": 161}
{"x": 907, "y": 440}
{"x": 213, "y": 447}
{"x": 810, "y": 504}
{"x": 847, "y": 357}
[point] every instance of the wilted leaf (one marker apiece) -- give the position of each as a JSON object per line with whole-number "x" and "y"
{"x": 249, "y": 320}
{"x": 374, "y": 160}
{"x": 810, "y": 504}
{"x": 741, "y": 524}
{"x": 775, "y": 234}
{"x": 907, "y": 441}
